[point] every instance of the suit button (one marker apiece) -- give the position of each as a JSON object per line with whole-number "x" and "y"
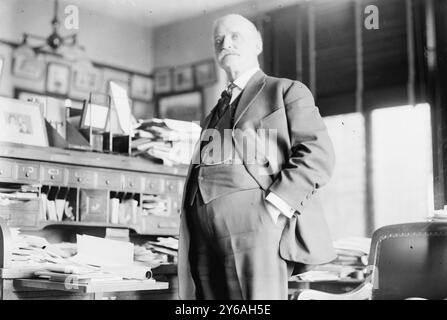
{"x": 302, "y": 203}
{"x": 200, "y": 178}
{"x": 307, "y": 197}
{"x": 313, "y": 191}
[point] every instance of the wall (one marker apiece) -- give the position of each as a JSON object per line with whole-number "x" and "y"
{"x": 107, "y": 40}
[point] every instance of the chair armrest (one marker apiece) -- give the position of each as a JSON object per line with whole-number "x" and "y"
{"x": 362, "y": 292}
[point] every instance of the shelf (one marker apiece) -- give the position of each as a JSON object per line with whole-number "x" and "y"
{"x": 42, "y": 225}
{"x": 112, "y": 286}
{"x": 87, "y": 158}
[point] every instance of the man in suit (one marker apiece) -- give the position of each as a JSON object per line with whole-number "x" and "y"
{"x": 251, "y": 214}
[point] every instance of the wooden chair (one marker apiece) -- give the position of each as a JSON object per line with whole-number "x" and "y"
{"x": 406, "y": 261}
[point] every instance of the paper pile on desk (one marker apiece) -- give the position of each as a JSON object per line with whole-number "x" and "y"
{"x": 168, "y": 246}
{"x": 352, "y": 250}
{"x": 29, "y": 251}
{"x": 166, "y": 140}
{"x": 97, "y": 260}
{"x": 352, "y": 257}
{"x": 102, "y": 252}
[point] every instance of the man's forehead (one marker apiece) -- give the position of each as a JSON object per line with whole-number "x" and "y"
{"x": 233, "y": 24}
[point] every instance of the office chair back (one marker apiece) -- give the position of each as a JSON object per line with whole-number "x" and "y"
{"x": 409, "y": 261}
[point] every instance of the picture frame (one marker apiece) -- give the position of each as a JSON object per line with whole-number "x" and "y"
{"x": 205, "y": 73}
{"x": 58, "y": 78}
{"x": 95, "y": 116}
{"x": 183, "y": 78}
{"x": 28, "y": 68}
{"x": 141, "y": 87}
{"x": 162, "y": 81}
{"x": 22, "y": 122}
{"x": 93, "y": 205}
{"x": 29, "y": 95}
{"x": 187, "y": 106}
{"x": 85, "y": 79}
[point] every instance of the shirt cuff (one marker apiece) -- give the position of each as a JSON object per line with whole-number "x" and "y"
{"x": 279, "y": 203}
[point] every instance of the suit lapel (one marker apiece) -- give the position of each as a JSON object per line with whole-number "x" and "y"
{"x": 252, "y": 89}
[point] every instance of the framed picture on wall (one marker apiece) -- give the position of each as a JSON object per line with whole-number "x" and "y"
{"x": 162, "y": 81}
{"x": 58, "y": 78}
{"x": 186, "y": 106}
{"x": 22, "y": 122}
{"x": 183, "y": 78}
{"x": 141, "y": 87}
{"x": 205, "y": 73}
{"x": 86, "y": 79}
{"x": 27, "y": 67}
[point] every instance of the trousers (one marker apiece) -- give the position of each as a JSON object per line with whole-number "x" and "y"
{"x": 234, "y": 248}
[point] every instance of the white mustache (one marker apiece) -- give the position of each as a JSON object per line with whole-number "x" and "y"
{"x": 222, "y": 54}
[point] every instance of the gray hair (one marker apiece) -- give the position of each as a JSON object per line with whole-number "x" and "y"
{"x": 251, "y": 26}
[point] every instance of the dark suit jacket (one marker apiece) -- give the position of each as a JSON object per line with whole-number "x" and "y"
{"x": 295, "y": 168}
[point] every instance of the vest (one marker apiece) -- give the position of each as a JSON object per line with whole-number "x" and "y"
{"x": 221, "y": 170}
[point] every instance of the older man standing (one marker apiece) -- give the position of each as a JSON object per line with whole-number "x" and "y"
{"x": 249, "y": 221}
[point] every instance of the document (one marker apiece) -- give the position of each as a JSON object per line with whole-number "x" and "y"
{"x": 103, "y": 252}
{"x": 121, "y": 102}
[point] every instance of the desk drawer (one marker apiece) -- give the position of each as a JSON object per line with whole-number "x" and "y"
{"x": 156, "y": 225}
{"x": 81, "y": 177}
{"x": 6, "y": 170}
{"x": 132, "y": 183}
{"x": 28, "y": 172}
{"x": 153, "y": 184}
{"x": 172, "y": 186}
{"x": 110, "y": 180}
{"x": 53, "y": 175}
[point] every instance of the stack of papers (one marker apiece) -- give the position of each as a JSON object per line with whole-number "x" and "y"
{"x": 147, "y": 257}
{"x": 154, "y": 205}
{"x": 167, "y": 141}
{"x": 34, "y": 251}
{"x": 80, "y": 277}
{"x": 168, "y": 246}
{"x": 352, "y": 250}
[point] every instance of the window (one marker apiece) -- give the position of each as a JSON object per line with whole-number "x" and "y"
{"x": 402, "y": 164}
{"x": 343, "y": 198}
{"x": 401, "y": 172}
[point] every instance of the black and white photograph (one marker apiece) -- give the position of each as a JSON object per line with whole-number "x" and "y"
{"x": 217, "y": 151}
{"x": 205, "y": 73}
{"x": 183, "y": 78}
{"x": 58, "y": 78}
{"x": 163, "y": 81}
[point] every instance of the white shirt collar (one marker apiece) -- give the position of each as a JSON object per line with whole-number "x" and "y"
{"x": 242, "y": 80}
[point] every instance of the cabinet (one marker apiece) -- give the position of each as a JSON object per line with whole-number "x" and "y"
{"x": 71, "y": 175}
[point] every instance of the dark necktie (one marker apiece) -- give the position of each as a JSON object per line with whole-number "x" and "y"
{"x": 222, "y": 105}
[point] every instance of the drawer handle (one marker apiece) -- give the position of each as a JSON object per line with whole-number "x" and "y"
{"x": 52, "y": 177}
{"x": 171, "y": 187}
{"x": 27, "y": 174}
{"x": 131, "y": 184}
{"x": 79, "y": 179}
{"x": 107, "y": 182}
{"x": 1, "y": 172}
